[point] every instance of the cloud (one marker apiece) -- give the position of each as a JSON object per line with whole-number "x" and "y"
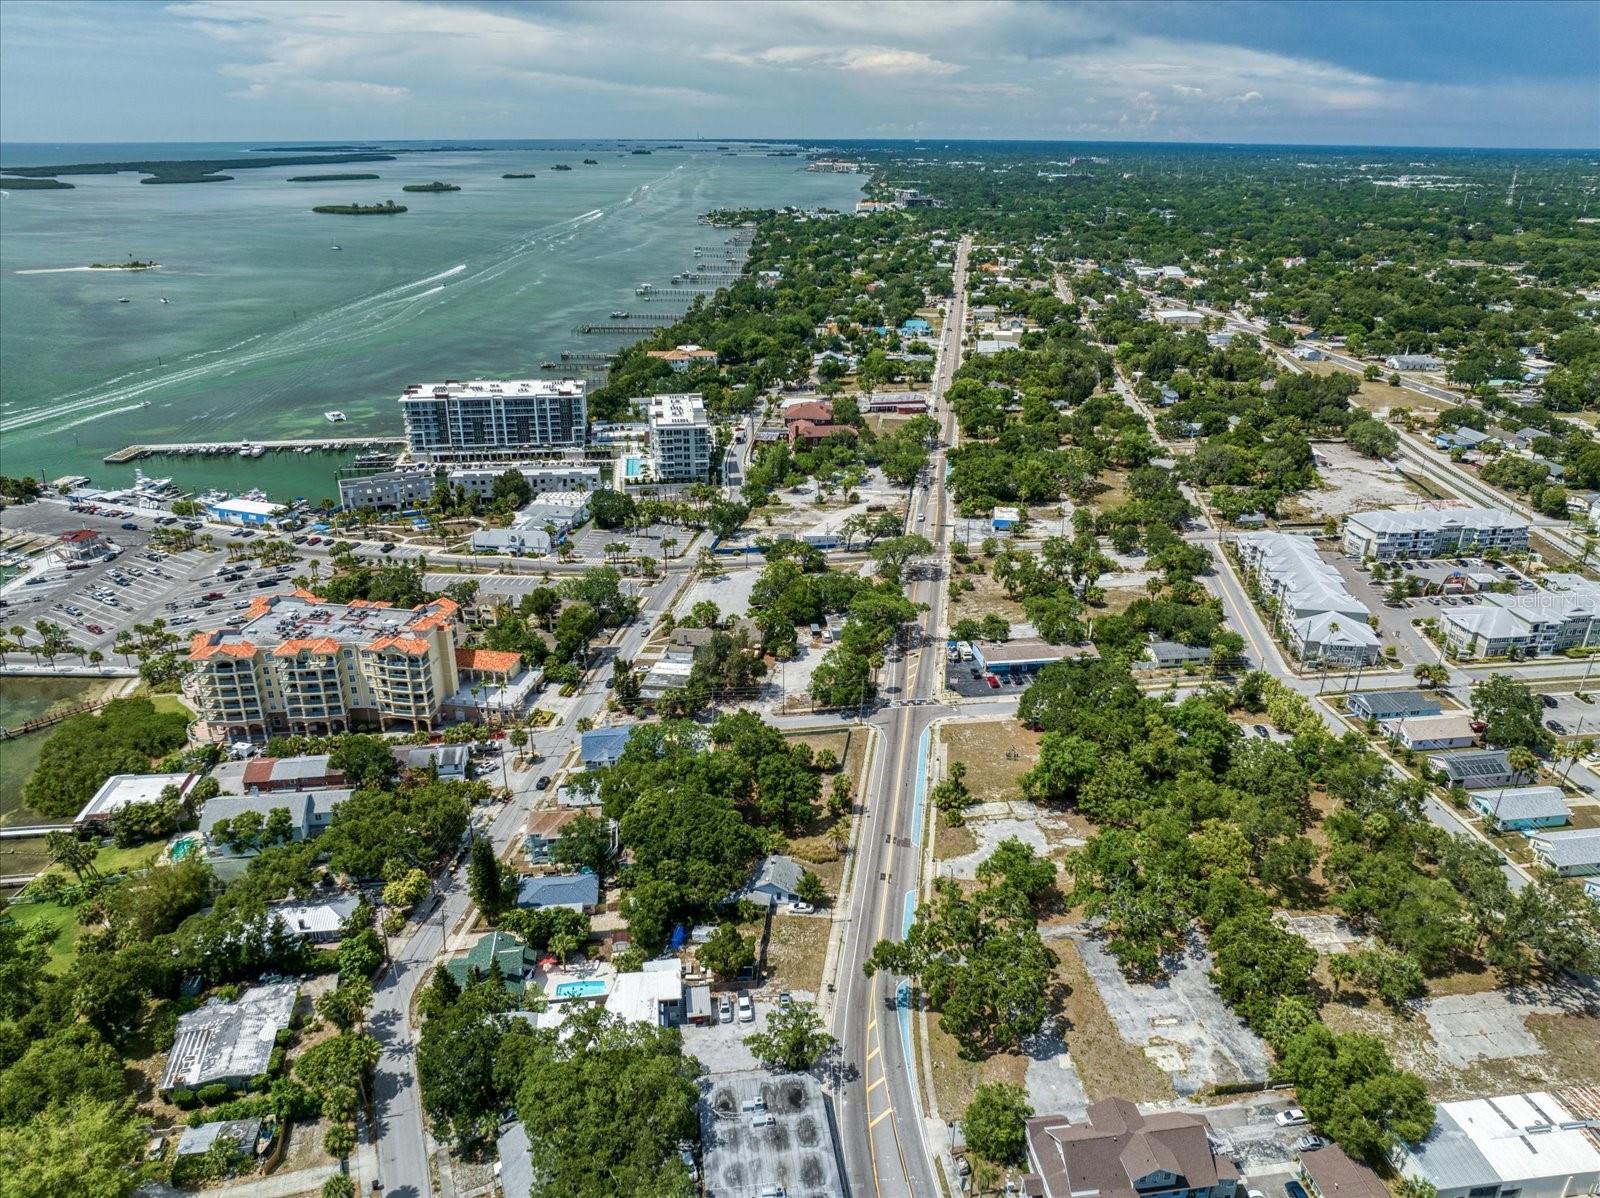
{"x": 861, "y": 60}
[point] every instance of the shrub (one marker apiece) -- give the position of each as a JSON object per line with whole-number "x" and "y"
{"x": 184, "y": 1099}
{"x": 215, "y": 1092}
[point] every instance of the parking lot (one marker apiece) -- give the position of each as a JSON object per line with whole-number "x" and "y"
{"x": 590, "y": 543}
{"x": 140, "y": 585}
{"x": 968, "y": 681}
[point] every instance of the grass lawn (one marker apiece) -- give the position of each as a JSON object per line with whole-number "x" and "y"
{"x": 987, "y": 597}
{"x": 61, "y": 920}
{"x": 1107, "y": 1064}
{"x": 165, "y": 704}
{"x": 1119, "y": 599}
{"x": 954, "y": 1078}
{"x": 796, "y": 951}
{"x": 1115, "y": 494}
{"x": 951, "y": 842}
{"x": 997, "y": 753}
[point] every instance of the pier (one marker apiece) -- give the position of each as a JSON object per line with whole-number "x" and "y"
{"x": 586, "y": 359}
{"x": 623, "y": 328}
{"x": 133, "y": 453}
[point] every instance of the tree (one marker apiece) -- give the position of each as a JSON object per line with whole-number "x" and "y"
{"x": 1512, "y": 714}
{"x": 488, "y": 881}
{"x": 365, "y": 761}
{"x": 77, "y": 855}
{"x": 794, "y": 1039}
{"x": 605, "y": 1104}
{"x": 810, "y": 889}
{"x": 727, "y": 952}
{"x": 585, "y": 843}
{"x": 409, "y": 889}
{"x": 995, "y": 1122}
{"x": 462, "y": 1091}
{"x": 82, "y": 1148}
{"x": 338, "y": 1185}
{"x": 345, "y": 1005}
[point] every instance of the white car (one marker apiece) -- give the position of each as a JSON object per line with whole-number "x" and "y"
{"x": 1293, "y": 1117}
{"x": 800, "y": 908}
{"x": 747, "y": 1009}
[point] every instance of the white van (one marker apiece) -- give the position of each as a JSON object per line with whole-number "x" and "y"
{"x": 965, "y": 649}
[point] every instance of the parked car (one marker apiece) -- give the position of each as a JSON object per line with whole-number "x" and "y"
{"x": 1556, "y": 726}
{"x": 747, "y": 1008}
{"x": 800, "y": 908}
{"x": 785, "y": 1000}
{"x": 388, "y": 547}
{"x": 130, "y": 526}
{"x": 994, "y": 683}
{"x": 724, "y": 1010}
{"x": 1261, "y": 731}
{"x": 96, "y": 629}
{"x": 1293, "y": 1117}
{"x": 1548, "y": 700}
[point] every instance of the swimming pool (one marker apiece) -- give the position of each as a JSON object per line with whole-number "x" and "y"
{"x": 588, "y": 988}
{"x": 632, "y": 467}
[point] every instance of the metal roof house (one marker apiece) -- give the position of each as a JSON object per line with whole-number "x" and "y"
{"x": 1479, "y": 769}
{"x": 775, "y": 880}
{"x": 1391, "y": 705}
{"x": 196, "y": 1141}
{"x": 310, "y": 811}
{"x": 1424, "y": 733}
{"x": 1025, "y": 655}
{"x": 1574, "y": 854}
{"x": 229, "y": 1042}
{"x": 1517, "y": 808}
{"x": 316, "y": 920}
{"x": 500, "y": 948}
{"x": 603, "y": 746}
{"x": 573, "y": 892}
{"x": 1169, "y": 655}
{"x": 1521, "y": 1145}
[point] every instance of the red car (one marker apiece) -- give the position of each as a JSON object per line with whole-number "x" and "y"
{"x": 95, "y": 628}
{"x": 213, "y": 596}
{"x": 992, "y": 681}
{"x": 313, "y": 540}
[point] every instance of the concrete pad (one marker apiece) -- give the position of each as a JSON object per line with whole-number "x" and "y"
{"x": 1480, "y": 1027}
{"x": 991, "y": 823}
{"x": 1181, "y": 1022}
{"x": 1052, "y": 1079}
{"x": 1328, "y": 934}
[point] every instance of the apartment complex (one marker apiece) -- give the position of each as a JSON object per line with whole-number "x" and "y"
{"x": 484, "y": 418}
{"x": 302, "y": 665}
{"x": 680, "y": 438}
{"x": 1524, "y": 625}
{"x": 1438, "y": 532}
{"x": 1320, "y": 619}
{"x": 410, "y": 486}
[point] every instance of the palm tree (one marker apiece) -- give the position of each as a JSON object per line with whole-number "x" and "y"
{"x": 96, "y": 657}
{"x": 668, "y": 544}
{"x": 123, "y": 645}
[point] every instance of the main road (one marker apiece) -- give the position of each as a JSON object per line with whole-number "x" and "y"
{"x": 886, "y": 1150}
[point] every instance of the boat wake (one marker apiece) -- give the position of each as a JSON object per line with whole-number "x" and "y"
{"x": 348, "y": 324}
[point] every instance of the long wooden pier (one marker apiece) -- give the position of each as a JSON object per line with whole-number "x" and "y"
{"x": 623, "y": 329}
{"x": 132, "y": 453}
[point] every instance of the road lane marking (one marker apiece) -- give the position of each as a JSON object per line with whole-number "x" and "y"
{"x": 879, "y": 1118}
{"x": 877, "y": 1083}
{"x": 873, "y": 1053}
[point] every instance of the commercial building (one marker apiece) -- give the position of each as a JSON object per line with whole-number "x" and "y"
{"x": 1524, "y": 625}
{"x": 229, "y": 1042}
{"x": 1425, "y": 733}
{"x": 265, "y": 775}
{"x": 680, "y": 439}
{"x": 1186, "y": 318}
{"x": 1481, "y": 769}
{"x": 1025, "y": 655}
{"x": 538, "y": 527}
{"x": 299, "y": 664}
{"x": 1513, "y": 1146}
{"x": 1574, "y": 854}
{"x": 1518, "y": 808}
{"x": 1412, "y": 362}
{"x": 1321, "y": 620}
{"x": 1434, "y": 532}
{"x": 485, "y": 418}
{"x": 410, "y": 486}
{"x": 82, "y": 545}
{"x": 1391, "y": 705}
{"x": 249, "y": 513}
{"x": 126, "y": 790}
{"x": 1116, "y": 1152}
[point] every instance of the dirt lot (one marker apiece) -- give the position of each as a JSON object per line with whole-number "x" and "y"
{"x": 1378, "y": 397}
{"x": 1350, "y": 483}
{"x": 796, "y": 951}
{"x": 997, "y": 753}
{"x": 987, "y": 597}
{"x": 1107, "y": 1064}
{"x": 955, "y": 1079}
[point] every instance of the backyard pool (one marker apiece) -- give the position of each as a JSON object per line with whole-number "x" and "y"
{"x": 587, "y": 988}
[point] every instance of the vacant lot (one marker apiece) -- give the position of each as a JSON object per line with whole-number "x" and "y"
{"x": 796, "y": 950}
{"x": 1107, "y": 1064}
{"x": 1350, "y": 483}
{"x": 1378, "y": 397}
{"x": 987, "y": 597}
{"x": 996, "y": 752}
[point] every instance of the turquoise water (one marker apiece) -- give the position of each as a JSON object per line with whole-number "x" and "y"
{"x": 589, "y": 988}
{"x": 267, "y": 327}
{"x": 633, "y": 467}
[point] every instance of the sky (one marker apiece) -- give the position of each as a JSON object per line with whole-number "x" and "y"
{"x": 1359, "y": 72}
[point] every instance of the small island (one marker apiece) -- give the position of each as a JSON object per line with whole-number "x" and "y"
{"x": 328, "y": 178}
{"x": 386, "y": 208}
{"x": 591, "y": 162}
{"x": 561, "y": 166}
{"x": 35, "y": 185}
{"x": 434, "y": 186}
{"x": 131, "y": 264}
{"x": 520, "y": 175}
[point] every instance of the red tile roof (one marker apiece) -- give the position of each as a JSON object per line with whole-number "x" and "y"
{"x": 490, "y": 661}
{"x": 822, "y": 413}
{"x": 313, "y": 644}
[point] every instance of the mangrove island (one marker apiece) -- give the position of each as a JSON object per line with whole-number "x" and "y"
{"x": 434, "y": 186}
{"x": 189, "y": 170}
{"x": 327, "y": 178}
{"x": 591, "y": 162}
{"x": 35, "y": 185}
{"x": 386, "y": 208}
{"x": 520, "y": 175}
{"x": 561, "y": 166}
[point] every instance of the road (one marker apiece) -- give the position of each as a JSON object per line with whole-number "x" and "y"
{"x": 880, "y": 1108}
{"x": 402, "y": 1146}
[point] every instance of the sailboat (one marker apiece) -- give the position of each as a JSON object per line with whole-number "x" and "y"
{"x": 335, "y": 247}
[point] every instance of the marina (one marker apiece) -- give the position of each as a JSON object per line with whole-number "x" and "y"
{"x": 248, "y": 449}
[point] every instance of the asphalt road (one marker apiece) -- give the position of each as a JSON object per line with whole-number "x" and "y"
{"x": 879, "y": 1104}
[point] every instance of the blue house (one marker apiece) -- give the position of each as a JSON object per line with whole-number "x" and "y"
{"x": 916, "y": 327}
{"x": 575, "y": 892}
{"x": 1519, "y": 808}
{"x": 603, "y": 746}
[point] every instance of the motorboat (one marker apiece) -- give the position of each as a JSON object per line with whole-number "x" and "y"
{"x": 122, "y": 299}
{"x": 335, "y": 417}
{"x": 335, "y": 248}
{"x": 619, "y": 314}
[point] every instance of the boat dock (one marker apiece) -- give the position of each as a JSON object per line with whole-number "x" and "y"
{"x": 133, "y": 453}
{"x": 586, "y": 359}
{"x": 622, "y": 328}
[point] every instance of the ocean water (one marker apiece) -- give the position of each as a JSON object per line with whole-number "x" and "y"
{"x": 266, "y": 327}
